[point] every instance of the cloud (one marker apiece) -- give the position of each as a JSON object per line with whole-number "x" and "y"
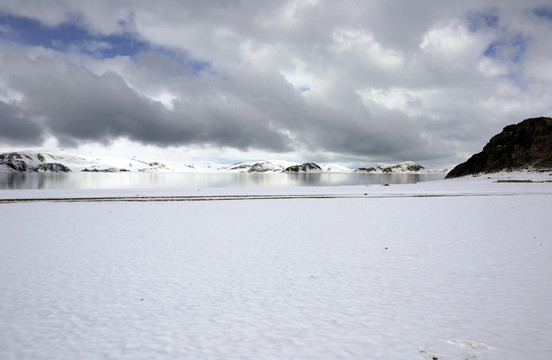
{"x": 77, "y": 105}
{"x": 381, "y": 81}
{"x": 16, "y": 127}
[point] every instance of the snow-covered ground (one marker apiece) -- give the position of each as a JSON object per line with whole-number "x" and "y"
{"x": 452, "y": 269}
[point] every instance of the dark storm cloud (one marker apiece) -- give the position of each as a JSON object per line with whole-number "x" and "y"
{"x": 16, "y": 128}
{"x": 77, "y": 105}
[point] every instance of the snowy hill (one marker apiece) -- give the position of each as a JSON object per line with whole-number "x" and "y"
{"x": 36, "y": 161}
{"x": 268, "y": 166}
{"x": 32, "y": 161}
{"x": 400, "y": 168}
{"x": 337, "y": 168}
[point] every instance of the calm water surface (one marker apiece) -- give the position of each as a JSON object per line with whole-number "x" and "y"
{"x": 186, "y": 181}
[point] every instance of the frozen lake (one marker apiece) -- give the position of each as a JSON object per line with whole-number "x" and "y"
{"x": 456, "y": 269}
{"x": 126, "y": 180}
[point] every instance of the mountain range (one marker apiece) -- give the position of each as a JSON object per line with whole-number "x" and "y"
{"x": 40, "y": 161}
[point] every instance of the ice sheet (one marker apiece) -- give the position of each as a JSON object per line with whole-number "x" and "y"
{"x": 380, "y": 276}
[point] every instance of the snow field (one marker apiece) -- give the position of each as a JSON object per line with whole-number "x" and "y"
{"x": 457, "y": 277}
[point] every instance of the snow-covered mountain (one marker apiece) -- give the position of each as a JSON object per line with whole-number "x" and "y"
{"x": 268, "y": 166}
{"x": 46, "y": 161}
{"x": 400, "y": 168}
{"x": 36, "y": 161}
{"x": 33, "y": 161}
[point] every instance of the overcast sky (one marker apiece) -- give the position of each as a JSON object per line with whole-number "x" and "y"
{"x": 331, "y": 81}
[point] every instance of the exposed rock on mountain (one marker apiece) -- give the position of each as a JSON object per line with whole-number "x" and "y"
{"x": 15, "y": 165}
{"x": 25, "y": 162}
{"x": 52, "y": 167}
{"x": 241, "y": 166}
{"x": 400, "y": 168}
{"x": 108, "y": 170}
{"x": 306, "y": 167}
{"x": 14, "y": 162}
{"x": 524, "y": 145}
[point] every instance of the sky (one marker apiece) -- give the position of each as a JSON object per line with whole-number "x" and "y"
{"x": 353, "y": 82}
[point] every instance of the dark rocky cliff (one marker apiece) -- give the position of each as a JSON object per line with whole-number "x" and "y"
{"x": 524, "y": 145}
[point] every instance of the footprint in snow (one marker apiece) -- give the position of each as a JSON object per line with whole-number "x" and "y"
{"x": 427, "y": 355}
{"x": 469, "y": 344}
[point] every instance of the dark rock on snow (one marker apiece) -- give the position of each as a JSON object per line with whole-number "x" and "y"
{"x": 306, "y": 167}
{"x": 53, "y": 167}
{"x": 108, "y": 170}
{"x": 16, "y": 165}
{"x": 524, "y": 145}
{"x": 14, "y": 161}
{"x": 401, "y": 167}
{"x": 258, "y": 167}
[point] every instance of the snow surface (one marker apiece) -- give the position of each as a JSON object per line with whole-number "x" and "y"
{"x": 338, "y": 168}
{"x": 455, "y": 269}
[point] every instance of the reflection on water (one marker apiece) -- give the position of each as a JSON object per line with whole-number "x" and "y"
{"x": 183, "y": 180}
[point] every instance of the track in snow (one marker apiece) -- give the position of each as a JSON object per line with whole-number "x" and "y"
{"x": 252, "y": 197}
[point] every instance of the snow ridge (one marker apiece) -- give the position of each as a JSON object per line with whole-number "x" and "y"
{"x": 400, "y": 168}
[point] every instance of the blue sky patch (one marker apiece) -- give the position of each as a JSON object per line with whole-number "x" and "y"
{"x": 68, "y": 36}
{"x": 511, "y": 49}
{"x": 543, "y": 12}
{"x": 71, "y": 37}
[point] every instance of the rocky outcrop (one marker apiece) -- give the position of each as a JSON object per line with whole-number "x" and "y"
{"x": 16, "y": 165}
{"x": 107, "y": 170}
{"x": 521, "y": 146}
{"x": 401, "y": 168}
{"x": 14, "y": 161}
{"x": 52, "y": 167}
{"x": 306, "y": 167}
